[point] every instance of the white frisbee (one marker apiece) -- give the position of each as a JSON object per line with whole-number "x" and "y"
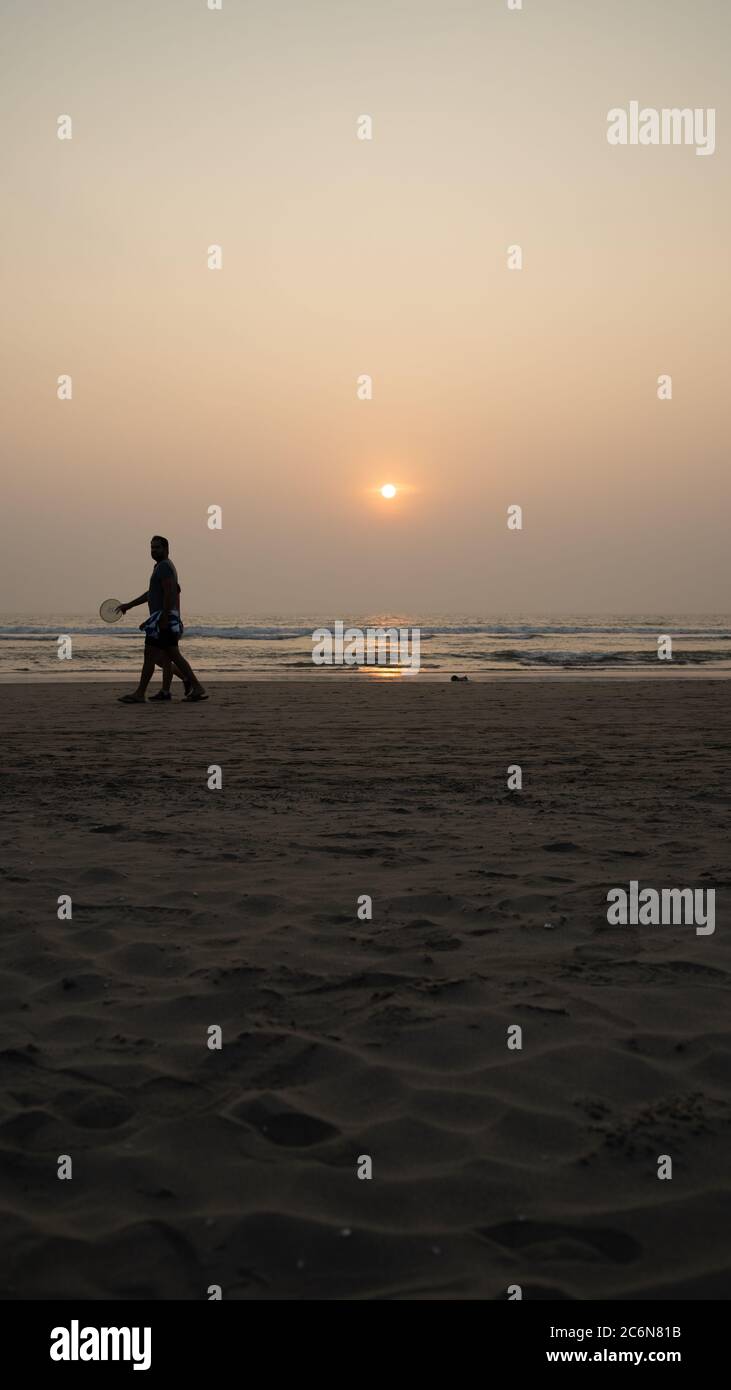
{"x": 108, "y": 610}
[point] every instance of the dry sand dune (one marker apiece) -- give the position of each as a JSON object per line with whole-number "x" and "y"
{"x": 344, "y": 1037}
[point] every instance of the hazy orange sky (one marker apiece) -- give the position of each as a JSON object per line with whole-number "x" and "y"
{"x": 237, "y": 387}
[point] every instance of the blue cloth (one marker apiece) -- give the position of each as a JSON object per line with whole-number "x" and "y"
{"x": 151, "y": 625}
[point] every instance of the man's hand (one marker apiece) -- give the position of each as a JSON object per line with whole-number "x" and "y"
{"x": 122, "y": 607}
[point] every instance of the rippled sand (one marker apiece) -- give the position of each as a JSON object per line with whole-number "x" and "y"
{"x": 343, "y": 1037}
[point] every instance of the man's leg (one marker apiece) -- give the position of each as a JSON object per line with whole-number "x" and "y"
{"x": 167, "y": 673}
{"x": 163, "y": 695}
{"x": 185, "y": 671}
{"x": 152, "y": 656}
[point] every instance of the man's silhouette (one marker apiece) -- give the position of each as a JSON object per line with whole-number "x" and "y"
{"x": 162, "y": 629}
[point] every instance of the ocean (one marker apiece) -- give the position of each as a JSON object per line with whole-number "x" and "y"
{"x": 280, "y": 648}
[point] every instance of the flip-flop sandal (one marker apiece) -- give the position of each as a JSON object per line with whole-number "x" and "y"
{"x": 161, "y": 695}
{"x": 131, "y": 700}
{"x": 195, "y": 696}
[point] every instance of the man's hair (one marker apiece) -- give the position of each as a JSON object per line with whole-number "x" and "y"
{"x": 163, "y": 541}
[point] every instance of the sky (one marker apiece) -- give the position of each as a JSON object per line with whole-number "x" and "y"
{"x": 342, "y": 257}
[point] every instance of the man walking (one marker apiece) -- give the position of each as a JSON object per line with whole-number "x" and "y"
{"x": 163, "y": 628}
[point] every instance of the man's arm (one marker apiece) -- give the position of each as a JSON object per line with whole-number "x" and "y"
{"x": 124, "y": 607}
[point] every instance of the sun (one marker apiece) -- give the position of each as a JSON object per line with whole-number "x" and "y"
{"x": 388, "y": 490}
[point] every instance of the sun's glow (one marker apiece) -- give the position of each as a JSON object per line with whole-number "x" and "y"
{"x": 388, "y": 490}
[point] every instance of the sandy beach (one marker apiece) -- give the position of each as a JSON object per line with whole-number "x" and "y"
{"x": 238, "y": 908}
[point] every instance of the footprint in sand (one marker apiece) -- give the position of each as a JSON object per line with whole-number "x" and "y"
{"x": 279, "y": 1124}
{"x": 97, "y": 1111}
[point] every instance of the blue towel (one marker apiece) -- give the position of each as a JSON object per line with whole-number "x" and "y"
{"x": 151, "y": 625}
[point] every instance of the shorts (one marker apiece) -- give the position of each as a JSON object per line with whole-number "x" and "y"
{"x": 164, "y": 639}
